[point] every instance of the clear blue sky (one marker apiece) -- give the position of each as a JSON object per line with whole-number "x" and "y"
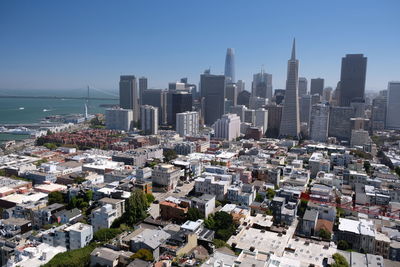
{"x": 71, "y": 44}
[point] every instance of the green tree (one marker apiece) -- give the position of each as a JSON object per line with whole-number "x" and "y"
{"x": 2, "y": 172}
{"x": 150, "y": 198}
{"x": 136, "y": 208}
{"x": 270, "y": 193}
{"x": 397, "y": 170}
{"x": 106, "y": 234}
{"x": 56, "y": 197}
{"x": 77, "y": 258}
{"x": 143, "y": 254}
{"x": 222, "y": 223}
{"x": 169, "y": 154}
{"x": 302, "y": 207}
{"x": 367, "y": 166}
{"x": 89, "y": 195}
{"x": 259, "y": 198}
{"x": 324, "y": 234}
{"x": 194, "y": 214}
{"x": 343, "y": 245}
{"x": 50, "y": 146}
{"x": 340, "y": 261}
{"x": 218, "y": 243}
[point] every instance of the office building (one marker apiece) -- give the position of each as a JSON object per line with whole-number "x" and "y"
{"x": 149, "y": 119}
{"x": 305, "y": 109}
{"x": 128, "y": 95}
{"x": 393, "y": 106}
{"x": 352, "y": 79}
{"x": 238, "y": 110}
{"x": 156, "y": 98}
{"x": 180, "y": 101}
{"x": 303, "y": 86}
{"x": 213, "y": 97}
{"x": 240, "y": 86}
{"x": 274, "y": 120}
{"x": 166, "y": 175}
{"x": 228, "y": 127}
{"x": 230, "y": 65}
{"x": 119, "y": 119}
{"x": 327, "y": 94}
{"x": 249, "y": 116}
{"x": 231, "y": 93}
{"x": 317, "y": 86}
{"x": 244, "y": 98}
{"x": 340, "y": 123}
{"x": 378, "y": 113}
{"x": 290, "y": 124}
{"x": 142, "y": 87}
{"x": 187, "y": 123}
{"x": 261, "y": 119}
{"x": 319, "y": 122}
{"x": 262, "y": 85}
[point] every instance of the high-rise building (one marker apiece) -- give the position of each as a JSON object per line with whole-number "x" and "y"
{"x": 261, "y": 119}
{"x": 257, "y": 102}
{"x": 305, "y": 109}
{"x": 303, "y": 86}
{"x": 319, "y": 122}
{"x": 327, "y": 94}
{"x": 213, "y": 97}
{"x": 352, "y": 79}
{"x": 119, "y": 119}
{"x": 227, "y": 127}
{"x": 187, "y": 123}
{"x": 317, "y": 86}
{"x": 231, "y": 93}
{"x": 262, "y": 85}
{"x": 156, "y": 98}
{"x": 240, "y": 85}
{"x": 128, "y": 95}
{"x": 290, "y": 124}
{"x": 239, "y": 110}
{"x": 250, "y": 116}
{"x": 142, "y": 87}
{"x": 393, "y": 106}
{"x": 274, "y": 120}
{"x": 340, "y": 122}
{"x": 244, "y": 98}
{"x": 230, "y": 65}
{"x": 180, "y": 101}
{"x": 149, "y": 119}
{"x": 378, "y": 113}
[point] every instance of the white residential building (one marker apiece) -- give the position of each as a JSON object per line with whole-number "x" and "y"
{"x": 262, "y": 119}
{"x": 228, "y": 127}
{"x": 119, "y": 119}
{"x": 149, "y": 119}
{"x": 209, "y": 185}
{"x": 103, "y": 217}
{"x": 187, "y": 123}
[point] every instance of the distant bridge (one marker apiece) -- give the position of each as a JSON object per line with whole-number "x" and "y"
{"x": 59, "y": 97}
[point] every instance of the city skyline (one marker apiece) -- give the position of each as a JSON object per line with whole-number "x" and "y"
{"x": 62, "y": 55}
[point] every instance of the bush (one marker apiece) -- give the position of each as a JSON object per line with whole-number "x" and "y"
{"x": 222, "y": 223}
{"x": 106, "y": 234}
{"x": 143, "y": 254}
{"x": 77, "y": 258}
{"x": 218, "y": 243}
{"x": 324, "y": 234}
{"x": 56, "y": 197}
{"x": 343, "y": 245}
{"x": 340, "y": 261}
{"x": 194, "y": 214}
{"x": 150, "y": 198}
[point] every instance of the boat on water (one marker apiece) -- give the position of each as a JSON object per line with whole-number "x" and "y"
{"x": 46, "y": 110}
{"x": 20, "y": 130}
{"x": 21, "y": 108}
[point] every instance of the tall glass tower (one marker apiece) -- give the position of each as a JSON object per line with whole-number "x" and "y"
{"x": 230, "y": 65}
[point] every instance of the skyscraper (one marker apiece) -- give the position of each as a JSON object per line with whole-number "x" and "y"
{"x": 128, "y": 95}
{"x": 393, "y": 106}
{"x": 240, "y": 85}
{"x": 378, "y": 113}
{"x": 261, "y": 119}
{"x": 178, "y": 101}
{"x": 213, "y": 97}
{"x": 156, "y": 98}
{"x": 230, "y": 65}
{"x": 227, "y": 127}
{"x": 187, "y": 123}
{"x": 290, "y": 124}
{"x": 352, "y": 79}
{"x": 119, "y": 119}
{"x": 340, "y": 122}
{"x": 305, "y": 109}
{"x": 149, "y": 119}
{"x": 274, "y": 120}
{"x": 319, "y": 122}
{"x": 303, "y": 86}
{"x": 317, "y": 86}
{"x": 231, "y": 93}
{"x": 142, "y": 87}
{"x": 262, "y": 85}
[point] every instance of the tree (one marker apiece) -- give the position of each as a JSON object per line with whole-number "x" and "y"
{"x": 136, "y": 207}
{"x": 194, "y": 214}
{"x": 222, "y": 223}
{"x": 89, "y": 195}
{"x": 302, "y": 207}
{"x": 150, "y": 198}
{"x": 367, "y": 166}
{"x": 324, "y": 234}
{"x": 340, "y": 261}
{"x": 50, "y": 146}
{"x": 397, "y": 170}
{"x": 259, "y": 198}
{"x": 56, "y": 197}
{"x": 106, "y": 234}
{"x": 343, "y": 245}
{"x": 270, "y": 193}
{"x": 218, "y": 243}
{"x": 169, "y": 154}
{"x": 143, "y": 254}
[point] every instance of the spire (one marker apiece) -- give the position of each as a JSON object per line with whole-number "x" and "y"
{"x": 294, "y": 50}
